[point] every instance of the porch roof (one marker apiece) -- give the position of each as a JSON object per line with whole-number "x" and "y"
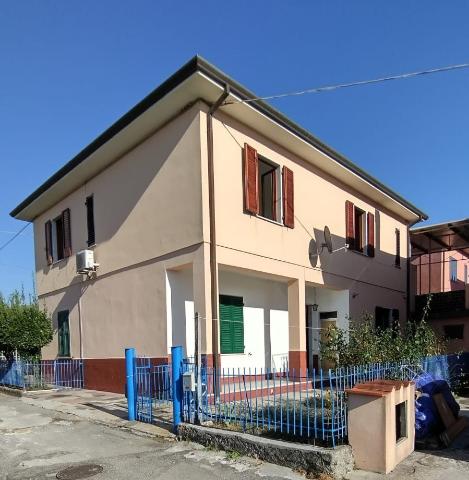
{"x": 441, "y": 237}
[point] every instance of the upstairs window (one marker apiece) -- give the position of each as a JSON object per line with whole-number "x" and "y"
{"x": 267, "y": 193}
{"x": 90, "y": 220}
{"x": 58, "y": 237}
{"x": 359, "y": 232}
{"x": 269, "y": 201}
{"x": 453, "y": 269}
{"x": 360, "y": 229}
{"x": 397, "y": 259}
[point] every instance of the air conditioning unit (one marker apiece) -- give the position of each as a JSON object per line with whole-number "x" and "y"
{"x": 85, "y": 262}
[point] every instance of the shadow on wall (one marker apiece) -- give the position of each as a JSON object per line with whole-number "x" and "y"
{"x": 351, "y": 270}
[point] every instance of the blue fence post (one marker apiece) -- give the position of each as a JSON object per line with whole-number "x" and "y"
{"x": 176, "y": 373}
{"x": 130, "y": 382}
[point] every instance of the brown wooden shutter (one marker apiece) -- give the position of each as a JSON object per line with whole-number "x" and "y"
{"x": 288, "y": 198}
{"x": 349, "y": 224}
{"x": 48, "y": 231}
{"x": 251, "y": 180}
{"x": 397, "y": 260}
{"x": 67, "y": 233}
{"x": 370, "y": 250}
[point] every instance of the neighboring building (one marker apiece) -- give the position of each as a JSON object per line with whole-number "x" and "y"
{"x": 440, "y": 266}
{"x": 190, "y": 212}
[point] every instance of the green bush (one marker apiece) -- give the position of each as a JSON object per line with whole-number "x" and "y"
{"x": 24, "y": 327}
{"x": 363, "y": 343}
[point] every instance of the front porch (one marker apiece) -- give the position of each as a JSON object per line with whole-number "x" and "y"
{"x": 265, "y": 321}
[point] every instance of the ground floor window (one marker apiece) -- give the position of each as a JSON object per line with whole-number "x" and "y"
{"x": 386, "y": 318}
{"x": 231, "y": 324}
{"x": 454, "y": 332}
{"x": 63, "y": 331}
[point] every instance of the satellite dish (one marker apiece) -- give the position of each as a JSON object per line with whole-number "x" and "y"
{"x": 327, "y": 239}
{"x": 313, "y": 253}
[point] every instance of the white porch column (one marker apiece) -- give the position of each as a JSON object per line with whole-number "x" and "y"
{"x": 202, "y": 300}
{"x": 297, "y": 324}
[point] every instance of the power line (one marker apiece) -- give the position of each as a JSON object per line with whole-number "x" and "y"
{"x": 329, "y": 88}
{"x": 17, "y": 234}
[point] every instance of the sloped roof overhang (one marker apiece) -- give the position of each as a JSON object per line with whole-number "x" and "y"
{"x": 199, "y": 80}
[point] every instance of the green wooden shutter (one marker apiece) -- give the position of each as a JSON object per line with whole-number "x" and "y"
{"x": 63, "y": 333}
{"x": 231, "y": 324}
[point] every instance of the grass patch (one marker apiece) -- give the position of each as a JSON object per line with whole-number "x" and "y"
{"x": 232, "y": 455}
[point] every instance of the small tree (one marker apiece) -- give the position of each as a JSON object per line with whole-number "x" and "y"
{"x": 24, "y": 327}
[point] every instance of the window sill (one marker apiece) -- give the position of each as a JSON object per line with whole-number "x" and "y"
{"x": 56, "y": 262}
{"x": 363, "y": 254}
{"x": 275, "y": 222}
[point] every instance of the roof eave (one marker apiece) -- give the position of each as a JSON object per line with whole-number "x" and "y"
{"x": 198, "y": 64}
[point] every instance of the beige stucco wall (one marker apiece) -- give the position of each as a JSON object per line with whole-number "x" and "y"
{"x": 146, "y": 204}
{"x": 151, "y": 215}
{"x": 261, "y": 245}
{"x": 148, "y": 217}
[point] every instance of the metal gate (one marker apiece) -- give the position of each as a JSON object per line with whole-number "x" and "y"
{"x": 153, "y": 391}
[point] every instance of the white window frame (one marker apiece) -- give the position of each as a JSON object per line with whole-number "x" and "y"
{"x": 279, "y": 181}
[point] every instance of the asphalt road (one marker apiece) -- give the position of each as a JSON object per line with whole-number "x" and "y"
{"x": 39, "y": 444}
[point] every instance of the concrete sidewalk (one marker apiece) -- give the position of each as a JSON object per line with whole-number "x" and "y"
{"x": 103, "y": 408}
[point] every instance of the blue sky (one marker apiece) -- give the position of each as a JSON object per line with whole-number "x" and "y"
{"x": 70, "y": 69}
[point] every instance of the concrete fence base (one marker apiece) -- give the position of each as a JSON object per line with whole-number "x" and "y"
{"x": 336, "y": 462}
{"x": 14, "y": 392}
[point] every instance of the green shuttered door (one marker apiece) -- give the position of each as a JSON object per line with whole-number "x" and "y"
{"x": 231, "y": 324}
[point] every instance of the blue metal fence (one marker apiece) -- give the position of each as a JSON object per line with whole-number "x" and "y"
{"x": 28, "y": 375}
{"x": 303, "y": 405}
{"x": 306, "y": 405}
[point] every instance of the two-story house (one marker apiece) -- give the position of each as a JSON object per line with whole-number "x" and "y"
{"x": 202, "y": 200}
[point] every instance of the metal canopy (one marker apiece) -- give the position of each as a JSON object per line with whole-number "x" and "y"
{"x": 441, "y": 237}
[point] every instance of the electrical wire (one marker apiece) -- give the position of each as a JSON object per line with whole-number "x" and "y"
{"x": 329, "y": 88}
{"x": 17, "y": 234}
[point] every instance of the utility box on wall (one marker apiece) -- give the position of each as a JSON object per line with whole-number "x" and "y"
{"x": 381, "y": 423}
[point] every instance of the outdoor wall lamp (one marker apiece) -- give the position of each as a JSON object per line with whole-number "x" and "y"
{"x": 315, "y": 307}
